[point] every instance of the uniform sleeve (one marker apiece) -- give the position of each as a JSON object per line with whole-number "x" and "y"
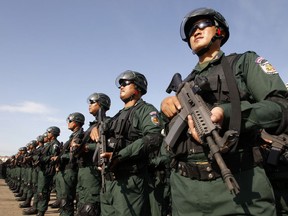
{"x": 91, "y": 146}
{"x": 149, "y": 126}
{"x": 258, "y": 79}
{"x": 65, "y": 156}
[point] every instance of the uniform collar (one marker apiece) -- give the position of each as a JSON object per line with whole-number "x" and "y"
{"x": 203, "y": 66}
{"x": 138, "y": 102}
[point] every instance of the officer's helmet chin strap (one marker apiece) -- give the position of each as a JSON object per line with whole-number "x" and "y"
{"x": 205, "y": 49}
{"x": 132, "y": 97}
{"x": 128, "y": 99}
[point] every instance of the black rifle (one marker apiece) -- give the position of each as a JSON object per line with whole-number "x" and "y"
{"x": 84, "y": 137}
{"x": 279, "y": 144}
{"x": 101, "y": 146}
{"x": 78, "y": 138}
{"x": 193, "y": 104}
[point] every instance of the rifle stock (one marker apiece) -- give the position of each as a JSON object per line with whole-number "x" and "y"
{"x": 193, "y": 104}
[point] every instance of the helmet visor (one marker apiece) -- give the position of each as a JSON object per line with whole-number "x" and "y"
{"x": 94, "y": 98}
{"x": 127, "y": 75}
{"x": 202, "y": 24}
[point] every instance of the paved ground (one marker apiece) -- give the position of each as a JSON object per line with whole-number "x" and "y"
{"x": 9, "y": 206}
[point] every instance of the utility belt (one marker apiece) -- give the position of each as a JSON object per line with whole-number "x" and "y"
{"x": 201, "y": 171}
{"x": 85, "y": 164}
{"x": 206, "y": 170}
{"x": 124, "y": 172}
{"x": 67, "y": 166}
{"x": 71, "y": 166}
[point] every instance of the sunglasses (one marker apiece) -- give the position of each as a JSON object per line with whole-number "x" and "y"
{"x": 69, "y": 120}
{"x": 200, "y": 25}
{"x": 92, "y": 101}
{"x": 125, "y": 83}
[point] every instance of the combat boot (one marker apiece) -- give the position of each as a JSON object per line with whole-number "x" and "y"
{"x": 40, "y": 213}
{"x": 56, "y": 204}
{"x": 17, "y": 190}
{"x": 20, "y": 194}
{"x": 30, "y": 211}
{"x": 25, "y": 204}
{"x": 12, "y": 187}
{"x": 22, "y": 198}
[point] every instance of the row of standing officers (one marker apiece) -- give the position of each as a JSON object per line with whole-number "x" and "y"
{"x": 136, "y": 173}
{"x": 135, "y": 177}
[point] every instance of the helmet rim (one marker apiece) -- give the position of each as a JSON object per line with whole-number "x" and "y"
{"x": 194, "y": 15}
{"x": 139, "y": 80}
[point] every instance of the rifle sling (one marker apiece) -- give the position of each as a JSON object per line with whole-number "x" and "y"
{"x": 235, "y": 116}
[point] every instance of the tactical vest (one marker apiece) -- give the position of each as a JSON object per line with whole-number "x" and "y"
{"x": 214, "y": 91}
{"x": 124, "y": 132}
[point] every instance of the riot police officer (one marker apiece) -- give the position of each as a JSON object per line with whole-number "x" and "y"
{"x": 36, "y": 154}
{"x": 45, "y": 175}
{"x": 28, "y": 190}
{"x": 134, "y": 132}
{"x": 67, "y": 163}
{"x": 89, "y": 180}
{"x": 196, "y": 184}
{"x": 20, "y": 171}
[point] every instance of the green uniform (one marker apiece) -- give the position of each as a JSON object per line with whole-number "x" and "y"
{"x": 28, "y": 190}
{"x": 68, "y": 172}
{"x": 36, "y": 169}
{"x": 196, "y": 184}
{"x": 136, "y": 132}
{"x": 159, "y": 185}
{"x": 19, "y": 173}
{"x": 88, "y": 180}
{"x": 45, "y": 175}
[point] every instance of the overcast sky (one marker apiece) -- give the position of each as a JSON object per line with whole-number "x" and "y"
{"x": 55, "y": 53}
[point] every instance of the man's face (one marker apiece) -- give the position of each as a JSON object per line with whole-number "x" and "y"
{"x": 93, "y": 107}
{"x": 46, "y": 139}
{"x": 127, "y": 89}
{"x": 50, "y": 136}
{"x": 203, "y": 31}
{"x": 70, "y": 124}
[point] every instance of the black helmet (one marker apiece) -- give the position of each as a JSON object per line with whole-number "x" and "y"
{"x": 199, "y": 13}
{"x": 138, "y": 78}
{"x": 101, "y": 98}
{"x": 54, "y": 130}
{"x": 33, "y": 143}
{"x": 40, "y": 138}
{"x": 45, "y": 135}
{"x": 76, "y": 117}
{"x": 23, "y": 149}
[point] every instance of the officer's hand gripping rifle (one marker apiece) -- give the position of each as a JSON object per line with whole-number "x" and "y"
{"x": 193, "y": 104}
{"x": 101, "y": 146}
{"x": 79, "y": 138}
{"x": 278, "y": 145}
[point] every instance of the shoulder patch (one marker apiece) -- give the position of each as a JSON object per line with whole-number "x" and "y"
{"x": 265, "y": 66}
{"x": 154, "y": 118}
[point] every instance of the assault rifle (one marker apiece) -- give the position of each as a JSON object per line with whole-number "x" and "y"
{"x": 77, "y": 138}
{"x": 278, "y": 145}
{"x": 101, "y": 146}
{"x": 193, "y": 104}
{"x": 84, "y": 137}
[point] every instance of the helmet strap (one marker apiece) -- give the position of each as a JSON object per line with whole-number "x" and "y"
{"x": 213, "y": 39}
{"x": 128, "y": 99}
